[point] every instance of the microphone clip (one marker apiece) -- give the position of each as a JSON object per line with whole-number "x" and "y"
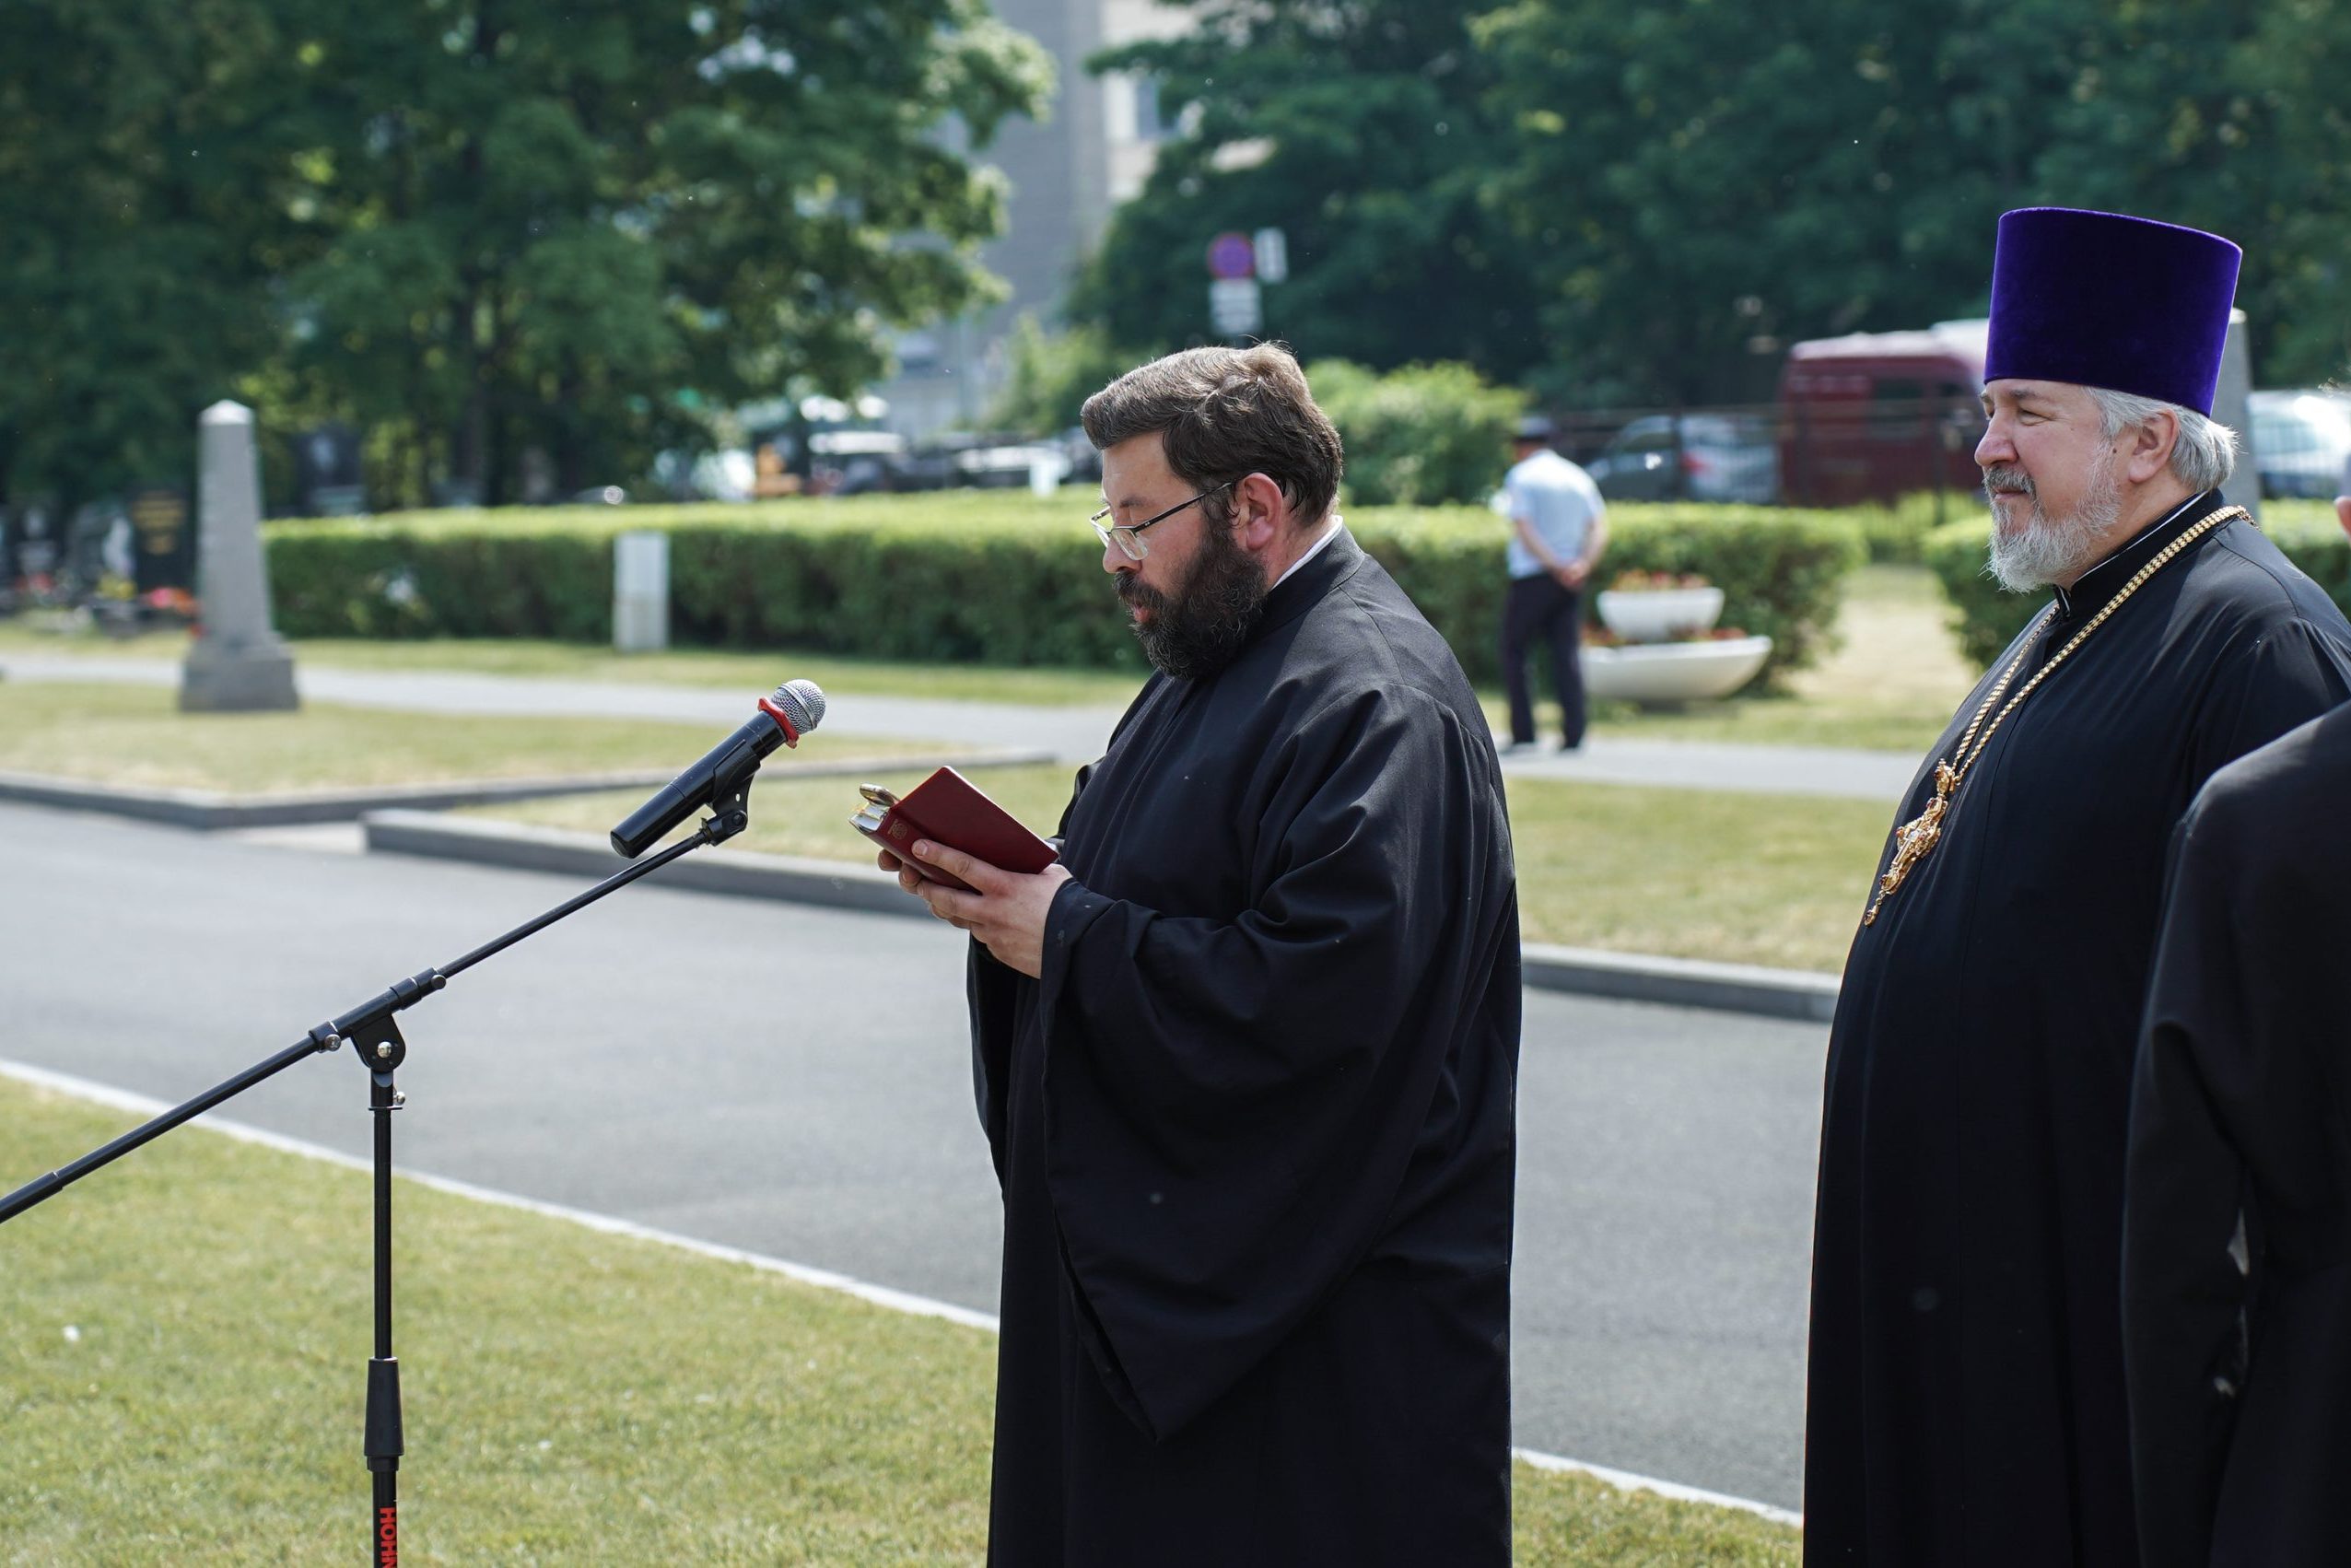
{"x": 731, "y": 800}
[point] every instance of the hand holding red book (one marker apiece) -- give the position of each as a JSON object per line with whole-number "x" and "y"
{"x": 947, "y": 808}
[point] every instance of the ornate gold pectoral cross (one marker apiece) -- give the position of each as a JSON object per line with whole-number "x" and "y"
{"x": 1913, "y": 838}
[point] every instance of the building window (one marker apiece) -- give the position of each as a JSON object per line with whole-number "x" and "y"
{"x": 1149, "y": 124}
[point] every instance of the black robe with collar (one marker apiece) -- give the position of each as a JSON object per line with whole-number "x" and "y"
{"x": 1965, "y": 1391}
{"x": 2239, "y": 1342}
{"x": 1255, "y": 1123}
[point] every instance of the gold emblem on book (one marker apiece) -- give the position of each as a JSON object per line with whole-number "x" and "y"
{"x": 878, "y": 802}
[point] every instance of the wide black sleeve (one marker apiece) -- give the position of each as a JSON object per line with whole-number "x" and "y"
{"x": 2287, "y": 676}
{"x": 2184, "y": 1263}
{"x": 994, "y": 994}
{"x": 1231, "y": 1105}
{"x": 2228, "y": 1128}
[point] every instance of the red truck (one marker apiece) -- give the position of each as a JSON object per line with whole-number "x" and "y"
{"x": 1871, "y": 416}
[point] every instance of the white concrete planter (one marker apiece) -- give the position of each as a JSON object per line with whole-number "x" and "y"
{"x": 1673, "y": 672}
{"x": 1656, "y": 615}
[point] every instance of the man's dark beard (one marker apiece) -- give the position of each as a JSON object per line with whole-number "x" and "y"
{"x": 1199, "y": 628}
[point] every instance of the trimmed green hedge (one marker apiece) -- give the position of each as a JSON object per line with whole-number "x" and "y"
{"x": 1985, "y": 618}
{"x": 1419, "y": 436}
{"x": 997, "y": 578}
{"x": 1897, "y": 530}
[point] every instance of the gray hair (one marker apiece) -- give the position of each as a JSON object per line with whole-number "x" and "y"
{"x": 2204, "y": 456}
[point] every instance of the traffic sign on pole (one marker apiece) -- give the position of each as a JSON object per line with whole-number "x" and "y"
{"x": 1230, "y": 256}
{"x": 1235, "y": 306}
{"x": 1272, "y": 248}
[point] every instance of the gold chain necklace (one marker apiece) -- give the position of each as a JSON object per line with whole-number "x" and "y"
{"x": 1913, "y": 838}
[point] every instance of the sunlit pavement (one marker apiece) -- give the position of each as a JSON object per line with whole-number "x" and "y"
{"x": 795, "y": 1082}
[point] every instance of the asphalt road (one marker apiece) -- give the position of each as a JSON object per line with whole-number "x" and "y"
{"x": 795, "y": 1082}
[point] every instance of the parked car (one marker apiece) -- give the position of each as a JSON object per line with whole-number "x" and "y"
{"x": 1716, "y": 457}
{"x": 2300, "y": 441}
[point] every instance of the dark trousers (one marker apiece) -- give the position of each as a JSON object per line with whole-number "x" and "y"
{"x": 1539, "y": 608}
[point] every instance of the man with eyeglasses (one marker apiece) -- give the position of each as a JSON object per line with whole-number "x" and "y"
{"x": 1245, "y": 1055}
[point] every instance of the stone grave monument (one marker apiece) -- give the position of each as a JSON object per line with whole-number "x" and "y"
{"x": 236, "y": 664}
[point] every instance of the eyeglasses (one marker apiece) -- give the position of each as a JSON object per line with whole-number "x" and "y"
{"x": 1129, "y": 538}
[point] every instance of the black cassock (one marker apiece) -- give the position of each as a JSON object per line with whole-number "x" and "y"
{"x": 1255, "y": 1123}
{"x": 2240, "y": 1379}
{"x": 1965, "y": 1392}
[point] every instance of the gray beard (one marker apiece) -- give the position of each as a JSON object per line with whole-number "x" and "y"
{"x": 2054, "y": 549}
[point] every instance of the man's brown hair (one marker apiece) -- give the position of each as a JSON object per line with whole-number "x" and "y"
{"x": 1227, "y": 413}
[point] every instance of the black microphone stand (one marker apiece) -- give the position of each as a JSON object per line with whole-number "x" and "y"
{"x": 375, "y": 1037}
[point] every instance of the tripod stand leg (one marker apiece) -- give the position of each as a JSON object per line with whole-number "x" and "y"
{"x": 383, "y": 1445}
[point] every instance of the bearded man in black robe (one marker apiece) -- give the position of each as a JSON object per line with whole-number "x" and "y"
{"x": 2236, "y": 1214}
{"x": 1245, "y": 1055}
{"x": 1966, "y": 1397}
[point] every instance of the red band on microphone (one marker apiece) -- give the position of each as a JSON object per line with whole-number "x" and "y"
{"x": 767, "y": 706}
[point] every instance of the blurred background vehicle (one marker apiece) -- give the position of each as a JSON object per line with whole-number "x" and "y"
{"x": 1696, "y": 457}
{"x": 2300, "y": 441}
{"x": 1871, "y": 416}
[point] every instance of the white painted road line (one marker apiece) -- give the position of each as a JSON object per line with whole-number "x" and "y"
{"x": 822, "y": 1279}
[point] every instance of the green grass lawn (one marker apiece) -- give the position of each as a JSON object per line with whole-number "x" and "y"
{"x": 135, "y": 735}
{"x": 1752, "y": 879}
{"x": 756, "y": 670}
{"x": 1889, "y": 685}
{"x": 186, "y": 1335}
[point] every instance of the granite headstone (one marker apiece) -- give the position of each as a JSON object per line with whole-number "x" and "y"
{"x": 237, "y": 663}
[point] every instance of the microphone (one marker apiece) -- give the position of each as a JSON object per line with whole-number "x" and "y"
{"x": 796, "y": 709}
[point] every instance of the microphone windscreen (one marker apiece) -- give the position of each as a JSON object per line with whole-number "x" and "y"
{"x": 802, "y": 703}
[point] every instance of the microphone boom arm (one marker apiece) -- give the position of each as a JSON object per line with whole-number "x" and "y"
{"x": 374, "y": 1033}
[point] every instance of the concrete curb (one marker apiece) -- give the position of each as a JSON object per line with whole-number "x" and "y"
{"x": 1676, "y": 982}
{"x": 1804, "y": 994}
{"x": 835, "y": 885}
{"x": 211, "y": 811}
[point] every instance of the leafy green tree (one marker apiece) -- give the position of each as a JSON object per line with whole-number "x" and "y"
{"x": 2238, "y": 119}
{"x": 2297, "y": 66}
{"x": 557, "y": 219}
{"x": 148, "y": 196}
{"x": 1049, "y": 375}
{"x": 477, "y": 226}
{"x": 1706, "y": 180}
{"x": 1359, "y": 129}
{"x": 1417, "y": 436}
{"x": 1702, "y": 177}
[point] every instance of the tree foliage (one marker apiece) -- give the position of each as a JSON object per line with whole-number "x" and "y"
{"x": 1049, "y": 375}
{"x": 1707, "y": 179}
{"x": 1645, "y": 204}
{"x": 1419, "y": 436}
{"x": 147, "y": 196}
{"x": 487, "y": 225}
{"x": 1359, "y": 129}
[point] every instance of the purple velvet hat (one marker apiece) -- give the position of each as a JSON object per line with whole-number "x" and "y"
{"x": 2105, "y": 300}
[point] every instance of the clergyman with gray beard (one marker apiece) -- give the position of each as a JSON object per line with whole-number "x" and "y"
{"x": 1245, "y": 1056}
{"x": 1966, "y": 1385}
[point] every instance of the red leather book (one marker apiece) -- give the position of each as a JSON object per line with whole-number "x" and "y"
{"x": 947, "y": 808}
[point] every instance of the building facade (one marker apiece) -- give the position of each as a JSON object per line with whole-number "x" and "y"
{"x": 1066, "y": 172}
